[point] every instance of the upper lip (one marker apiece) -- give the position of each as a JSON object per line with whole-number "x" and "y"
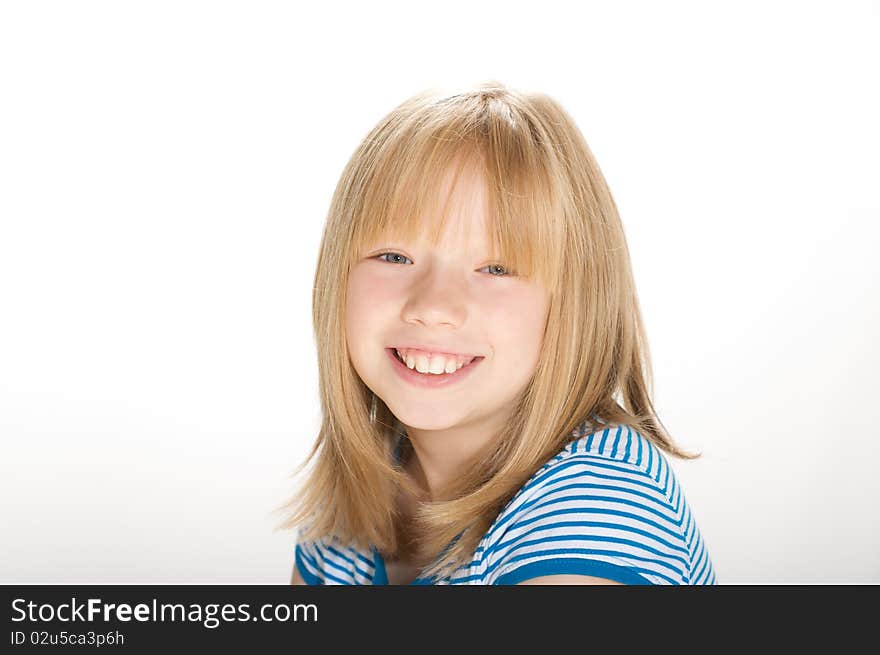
{"x": 436, "y": 349}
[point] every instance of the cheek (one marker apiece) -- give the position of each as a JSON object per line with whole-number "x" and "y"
{"x": 367, "y": 289}
{"x": 518, "y": 318}
{"x": 516, "y": 328}
{"x": 367, "y": 299}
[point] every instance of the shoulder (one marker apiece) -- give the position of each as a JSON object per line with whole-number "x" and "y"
{"x": 327, "y": 561}
{"x": 614, "y": 445}
{"x": 601, "y": 508}
{"x": 568, "y": 580}
{"x": 616, "y": 461}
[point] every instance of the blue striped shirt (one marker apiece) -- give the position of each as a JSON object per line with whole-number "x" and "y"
{"x": 608, "y": 505}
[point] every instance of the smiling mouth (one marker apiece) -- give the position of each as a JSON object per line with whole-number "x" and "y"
{"x": 429, "y": 374}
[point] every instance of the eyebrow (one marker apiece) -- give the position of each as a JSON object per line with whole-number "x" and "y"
{"x": 386, "y": 246}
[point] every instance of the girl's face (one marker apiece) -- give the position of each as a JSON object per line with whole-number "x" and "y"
{"x": 455, "y": 299}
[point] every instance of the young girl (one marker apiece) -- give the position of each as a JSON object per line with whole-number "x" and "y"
{"x": 483, "y": 366}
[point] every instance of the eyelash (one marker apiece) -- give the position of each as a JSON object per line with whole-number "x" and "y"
{"x": 508, "y": 273}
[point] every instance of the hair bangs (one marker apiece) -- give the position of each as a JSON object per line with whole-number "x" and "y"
{"x": 417, "y": 180}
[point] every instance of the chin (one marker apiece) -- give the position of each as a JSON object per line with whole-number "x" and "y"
{"x": 425, "y": 417}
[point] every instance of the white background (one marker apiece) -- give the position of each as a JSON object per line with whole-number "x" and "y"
{"x": 165, "y": 172}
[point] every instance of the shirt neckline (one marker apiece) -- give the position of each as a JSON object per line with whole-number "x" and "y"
{"x": 381, "y": 575}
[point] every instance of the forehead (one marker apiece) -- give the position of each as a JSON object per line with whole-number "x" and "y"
{"x": 463, "y": 197}
{"x": 458, "y": 214}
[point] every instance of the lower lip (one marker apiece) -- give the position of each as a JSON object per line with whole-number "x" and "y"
{"x": 429, "y": 380}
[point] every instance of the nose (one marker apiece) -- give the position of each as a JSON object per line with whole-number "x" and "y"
{"x": 440, "y": 297}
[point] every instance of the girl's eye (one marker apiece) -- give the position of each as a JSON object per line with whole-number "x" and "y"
{"x": 504, "y": 271}
{"x": 393, "y": 254}
{"x": 496, "y": 267}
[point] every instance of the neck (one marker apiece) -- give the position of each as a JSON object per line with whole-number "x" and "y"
{"x": 439, "y": 456}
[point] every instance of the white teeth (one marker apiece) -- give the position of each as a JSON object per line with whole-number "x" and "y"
{"x": 436, "y": 364}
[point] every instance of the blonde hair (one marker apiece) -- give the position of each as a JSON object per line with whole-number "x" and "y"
{"x": 552, "y": 218}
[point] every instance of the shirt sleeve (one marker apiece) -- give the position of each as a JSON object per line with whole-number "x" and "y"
{"x": 326, "y": 562}
{"x": 309, "y": 562}
{"x": 595, "y": 519}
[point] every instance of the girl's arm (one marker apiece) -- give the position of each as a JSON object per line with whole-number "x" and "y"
{"x": 296, "y": 578}
{"x": 568, "y": 579}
